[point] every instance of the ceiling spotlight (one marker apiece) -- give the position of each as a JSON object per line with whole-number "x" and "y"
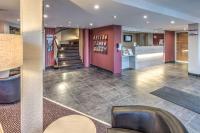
{"x": 47, "y": 5}
{"x": 96, "y": 7}
{"x": 18, "y": 20}
{"x": 145, "y": 17}
{"x": 69, "y": 22}
{"x": 91, "y": 24}
{"x": 172, "y": 22}
{"x": 45, "y": 16}
{"x": 115, "y": 17}
{"x": 147, "y": 22}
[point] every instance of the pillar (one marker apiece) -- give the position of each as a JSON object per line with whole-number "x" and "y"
{"x": 169, "y": 48}
{"x": 194, "y": 49}
{"x": 32, "y": 70}
{"x": 86, "y": 48}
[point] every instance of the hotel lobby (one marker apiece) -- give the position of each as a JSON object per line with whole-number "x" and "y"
{"x": 99, "y": 66}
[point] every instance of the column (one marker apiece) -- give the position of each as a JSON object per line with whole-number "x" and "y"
{"x": 169, "y": 48}
{"x": 86, "y": 48}
{"x": 32, "y": 70}
{"x": 194, "y": 49}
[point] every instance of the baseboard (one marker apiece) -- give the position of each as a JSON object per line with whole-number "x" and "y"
{"x": 193, "y": 74}
{"x": 169, "y": 62}
{"x": 49, "y": 67}
{"x": 101, "y": 69}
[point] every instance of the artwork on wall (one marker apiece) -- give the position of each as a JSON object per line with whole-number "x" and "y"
{"x": 128, "y": 38}
{"x": 100, "y": 43}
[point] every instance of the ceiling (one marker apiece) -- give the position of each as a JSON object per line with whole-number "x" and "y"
{"x": 129, "y": 13}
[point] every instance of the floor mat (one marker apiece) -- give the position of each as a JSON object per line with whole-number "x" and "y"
{"x": 180, "y": 98}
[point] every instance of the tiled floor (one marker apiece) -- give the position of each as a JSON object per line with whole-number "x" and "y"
{"x": 94, "y": 91}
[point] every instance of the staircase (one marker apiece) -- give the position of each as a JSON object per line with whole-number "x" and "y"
{"x": 68, "y": 56}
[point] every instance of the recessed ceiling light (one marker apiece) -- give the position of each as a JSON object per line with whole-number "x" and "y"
{"x": 18, "y": 20}
{"x": 145, "y": 17}
{"x": 45, "y": 16}
{"x": 172, "y": 22}
{"x": 47, "y": 5}
{"x": 96, "y": 7}
{"x": 91, "y": 24}
{"x": 115, "y": 17}
{"x": 69, "y": 22}
{"x": 147, "y": 22}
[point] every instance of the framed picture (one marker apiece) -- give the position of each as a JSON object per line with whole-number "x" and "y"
{"x": 128, "y": 38}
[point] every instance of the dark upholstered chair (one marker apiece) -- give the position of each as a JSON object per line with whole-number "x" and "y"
{"x": 10, "y": 89}
{"x": 144, "y": 119}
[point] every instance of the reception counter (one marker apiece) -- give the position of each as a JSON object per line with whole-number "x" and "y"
{"x": 143, "y": 56}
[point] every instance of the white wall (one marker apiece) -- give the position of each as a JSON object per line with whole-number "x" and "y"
{"x": 194, "y": 49}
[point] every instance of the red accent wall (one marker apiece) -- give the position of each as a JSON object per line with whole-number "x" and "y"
{"x": 157, "y": 37}
{"x": 86, "y": 48}
{"x": 49, "y": 55}
{"x": 169, "y": 46}
{"x": 112, "y": 60}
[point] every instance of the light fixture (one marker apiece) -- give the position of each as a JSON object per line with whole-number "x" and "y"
{"x": 96, "y": 6}
{"x": 47, "y": 5}
{"x": 45, "y": 16}
{"x": 18, "y": 20}
{"x": 145, "y": 17}
{"x": 115, "y": 17}
{"x": 147, "y": 22}
{"x": 69, "y": 22}
{"x": 91, "y": 24}
{"x": 11, "y": 55}
{"x": 172, "y": 22}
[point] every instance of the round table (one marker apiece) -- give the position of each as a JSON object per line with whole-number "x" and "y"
{"x": 72, "y": 124}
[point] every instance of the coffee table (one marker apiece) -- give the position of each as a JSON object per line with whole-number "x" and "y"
{"x": 72, "y": 124}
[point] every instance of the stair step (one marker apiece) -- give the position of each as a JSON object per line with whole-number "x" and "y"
{"x": 69, "y": 45}
{"x": 68, "y": 54}
{"x": 68, "y": 50}
{"x": 70, "y": 67}
{"x": 69, "y": 58}
{"x": 71, "y": 62}
{"x": 74, "y": 66}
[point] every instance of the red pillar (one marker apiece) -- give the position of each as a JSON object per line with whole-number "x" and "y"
{"x": 86, "y": 47}
{"x": 169, "y": 48}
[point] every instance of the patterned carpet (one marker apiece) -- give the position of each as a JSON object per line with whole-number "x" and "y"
{"x": 10, "y": 116}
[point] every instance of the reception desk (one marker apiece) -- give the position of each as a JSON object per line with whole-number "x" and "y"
{"x": 146, "y": 56}
{"x": 143, "y": 56}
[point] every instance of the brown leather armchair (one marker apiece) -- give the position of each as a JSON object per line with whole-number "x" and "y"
{"x": 144, "y": 119}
